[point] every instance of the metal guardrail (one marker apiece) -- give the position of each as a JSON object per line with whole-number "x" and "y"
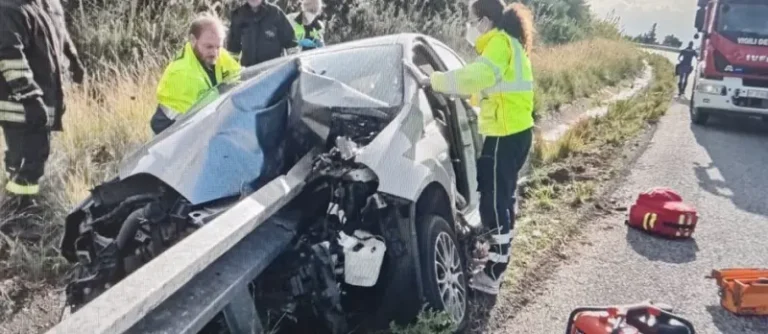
{"x": 207, "y": 272}
{"x": 203, "y": 274}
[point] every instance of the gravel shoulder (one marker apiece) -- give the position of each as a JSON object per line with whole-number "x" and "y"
{"x": 719, "y": 168}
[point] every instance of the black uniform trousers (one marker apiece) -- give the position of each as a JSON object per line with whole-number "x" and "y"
{"x": 27, "y": 152}
{"x": 497, "y": 174}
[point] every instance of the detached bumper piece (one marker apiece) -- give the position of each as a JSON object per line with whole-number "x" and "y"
{"x": 743, "y": 291}
{"x": 662, "y": 212}
{"x": 644, "y": 318}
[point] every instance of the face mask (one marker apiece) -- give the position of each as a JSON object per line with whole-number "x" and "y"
{"x": 472, "y": 34}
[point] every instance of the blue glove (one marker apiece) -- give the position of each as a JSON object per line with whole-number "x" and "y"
{"x": 307, "y": 43}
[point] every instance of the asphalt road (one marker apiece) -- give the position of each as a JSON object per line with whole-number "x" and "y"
{"x": 720, "y": 168}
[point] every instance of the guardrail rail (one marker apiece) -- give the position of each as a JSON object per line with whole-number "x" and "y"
{"x": 204, "y": 274}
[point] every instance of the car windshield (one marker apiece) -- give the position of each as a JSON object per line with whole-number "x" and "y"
{"x": 748, "y": 19}
{"x": 373, "y": 70}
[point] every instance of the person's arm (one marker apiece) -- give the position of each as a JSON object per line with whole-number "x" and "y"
{"x": 285, "y": 31}
{"x": 174, "y": 93}
{"x": 75, "y": 66}
{"x": 483, "y": 73}
{"x": 233, "y": 36}
{"x": 13, "y": 63}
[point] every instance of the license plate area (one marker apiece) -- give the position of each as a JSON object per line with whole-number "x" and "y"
{"x": 756, "y": 94}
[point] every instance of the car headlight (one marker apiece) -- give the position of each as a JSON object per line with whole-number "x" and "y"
{"x": 708, "y": 88}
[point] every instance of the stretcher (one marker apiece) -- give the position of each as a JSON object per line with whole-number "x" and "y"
{"x": 642, "y": 318}
{"x": 743, "y": 291}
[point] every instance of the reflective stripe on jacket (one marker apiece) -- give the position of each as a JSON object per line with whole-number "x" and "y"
{"x": 503, "y": 79}
{"x": 31, "y": 62}
{"x": 185, "y": 81}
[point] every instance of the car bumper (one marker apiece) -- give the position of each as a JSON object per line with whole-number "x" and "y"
{"x": 729, "y": 96}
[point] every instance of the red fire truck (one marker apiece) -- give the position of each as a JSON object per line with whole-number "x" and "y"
{"x": 731, "y": 77}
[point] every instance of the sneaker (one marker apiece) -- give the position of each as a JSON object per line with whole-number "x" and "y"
{"x": 484, "y": 283}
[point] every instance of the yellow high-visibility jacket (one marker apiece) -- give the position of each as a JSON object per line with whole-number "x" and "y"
{"x": 184, "y": 81}
{"x": 503, "y": 79}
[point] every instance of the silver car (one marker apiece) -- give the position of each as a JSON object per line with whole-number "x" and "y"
{"x": 386, "y": 221}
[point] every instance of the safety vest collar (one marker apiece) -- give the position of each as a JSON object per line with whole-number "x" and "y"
{"x": 188, "y": 56}
{"x": 483, "y": 40}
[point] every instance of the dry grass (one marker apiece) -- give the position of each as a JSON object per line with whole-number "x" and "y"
{"x": 567, "y": 175}
{"x": 109, "y": 116}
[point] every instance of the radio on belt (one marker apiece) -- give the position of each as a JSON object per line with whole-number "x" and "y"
{"x": 661, "y": 211}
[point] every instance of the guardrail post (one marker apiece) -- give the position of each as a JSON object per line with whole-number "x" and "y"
{"x": 241, "y": 314}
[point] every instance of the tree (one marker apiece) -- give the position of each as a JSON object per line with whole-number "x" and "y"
{"x": 672, "y": 40}
{"x": 650, "y": 37}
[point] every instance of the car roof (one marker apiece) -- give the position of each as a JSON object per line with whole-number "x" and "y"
{"x": 402, "y": 39}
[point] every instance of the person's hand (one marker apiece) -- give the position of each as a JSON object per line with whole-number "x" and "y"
{"x": 77, "y": 70}
{"x": 307, "y": 43}
{"x": 35, "y": 112}
{"x": 421, "y": 78}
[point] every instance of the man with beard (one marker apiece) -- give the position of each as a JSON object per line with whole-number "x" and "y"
{"x": 199, "y": 67}
{"x": 260, "y": 31}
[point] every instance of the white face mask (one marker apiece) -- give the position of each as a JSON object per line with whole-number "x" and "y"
{"x": 472, "y": 34}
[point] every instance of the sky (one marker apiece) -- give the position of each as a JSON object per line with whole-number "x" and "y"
{"x": 636, "y": 16}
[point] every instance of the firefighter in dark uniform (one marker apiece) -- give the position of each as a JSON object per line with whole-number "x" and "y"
{"x": 258, "y": 32}
{"x": 307, "y": 25}
{"x": 33, "y": 42}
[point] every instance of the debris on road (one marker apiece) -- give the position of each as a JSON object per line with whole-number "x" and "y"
{"x": 639, "y": 318}
{"x": 661, "y": 211}
{"x": 743, "y": 291}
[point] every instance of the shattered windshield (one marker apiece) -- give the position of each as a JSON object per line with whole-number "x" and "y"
{"x": 747, "y": 19}
{"x": 375, "y": 71}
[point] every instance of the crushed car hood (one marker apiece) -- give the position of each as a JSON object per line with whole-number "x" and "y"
{"x": 223, "y": 148}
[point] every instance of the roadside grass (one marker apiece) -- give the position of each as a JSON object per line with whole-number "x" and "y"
{"x": 108, "y": 117}
{"x": 568, "y": 176}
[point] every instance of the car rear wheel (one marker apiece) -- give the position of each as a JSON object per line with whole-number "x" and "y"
{"x": 442, "y": 266}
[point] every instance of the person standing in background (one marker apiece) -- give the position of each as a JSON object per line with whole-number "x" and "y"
{"x": 200, "y": 66}
{"x": 258, "y": 32}
{"x": 308, "y": 26}
{"x": 33, "y": 42}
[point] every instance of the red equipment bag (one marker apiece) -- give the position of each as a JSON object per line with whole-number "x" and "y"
{"x": 643, "y": 318}
{"x": 661, "y": 211}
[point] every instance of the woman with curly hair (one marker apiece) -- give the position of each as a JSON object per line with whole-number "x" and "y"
{"x": 502, "y": 80}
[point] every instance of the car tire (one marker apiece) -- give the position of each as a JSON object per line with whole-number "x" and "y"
{"x": 437, "y": 249}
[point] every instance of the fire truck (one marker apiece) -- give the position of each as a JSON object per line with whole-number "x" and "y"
{"x": 731, "y": 77}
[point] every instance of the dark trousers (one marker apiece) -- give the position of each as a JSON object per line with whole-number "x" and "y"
{"x": 27, "y": 153}
{"x": 497, "y": 172}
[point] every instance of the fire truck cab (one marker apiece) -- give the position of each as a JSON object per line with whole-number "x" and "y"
{"x": 731, "y": 77}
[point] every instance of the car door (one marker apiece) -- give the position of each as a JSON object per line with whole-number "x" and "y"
{"x": 466, "y": 116}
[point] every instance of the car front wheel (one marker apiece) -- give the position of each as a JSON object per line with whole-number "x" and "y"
{"x": 445, "y": 281}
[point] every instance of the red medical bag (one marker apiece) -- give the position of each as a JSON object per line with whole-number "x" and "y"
{"x": 661, "y": 211}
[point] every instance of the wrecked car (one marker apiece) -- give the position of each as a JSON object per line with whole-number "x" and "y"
{"x": 388, "y": 219}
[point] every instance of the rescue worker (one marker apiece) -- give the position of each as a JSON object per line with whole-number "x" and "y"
{"x": 259, "y": 31}
{"x": 685, "y": 67}
{"x": 308, "y": 26}
{"x": 33, "y": 43}
{"x": 199, "y": 67}
{"x": 502, "y": 80}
